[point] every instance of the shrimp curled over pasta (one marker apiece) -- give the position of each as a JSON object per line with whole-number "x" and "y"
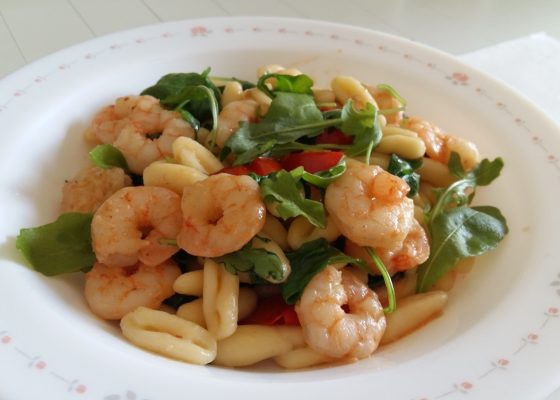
{"x": 220, "y": 215}
{"x": 327, "y": 328}
{"x": 113, "y": 292}
{"x": 369, "y": 206}
{"x": 129, "y": 226}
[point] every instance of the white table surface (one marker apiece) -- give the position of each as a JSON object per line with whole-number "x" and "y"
{"x": 31, "y": 29}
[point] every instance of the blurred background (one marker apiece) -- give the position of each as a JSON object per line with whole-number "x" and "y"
{"x": 30, "y": 29}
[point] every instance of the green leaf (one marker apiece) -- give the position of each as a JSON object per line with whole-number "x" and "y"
{"x": 286, "y": 83}
{"x": 321, "y": 179}
{"x": 307, "y": 261}
{"x": 59, "y": 247}
{"x": 283, "y": 188}
{"x": 406, "y": 170}
{"x": 290, "y": 117}
{"x": 458, "y": 233}
{"x": 172, "y": 84}
{"x": 461, "y": 192}
{"x": 392, "y": 306}
{"x": 265, "y": 264}
{"x": 193, "y": 95}
{"x": 107, "y": 156}
{"x": 363, "y": 125}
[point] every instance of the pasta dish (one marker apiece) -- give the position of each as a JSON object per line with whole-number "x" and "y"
{"x": 229, "y": 222}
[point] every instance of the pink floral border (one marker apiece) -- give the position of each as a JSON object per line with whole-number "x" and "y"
{"x": 527, "y": 340}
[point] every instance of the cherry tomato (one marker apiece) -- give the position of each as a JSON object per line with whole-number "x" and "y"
{"x": 312, "y": 161}
{"x": 264, "y": 166}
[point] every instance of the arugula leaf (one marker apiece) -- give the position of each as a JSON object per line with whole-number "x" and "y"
{"x": 195, "y": 103}
{"x": 307, "y": 261}
{"x": 265, "y": 264}
{"x": 321, "y": 179}
{"x": 59, "y": 247}
{"x": 172, "y": 84}
{"x": 459, "y": 233}
{"x": 392, "y": 306}
{"x": 458, "y": 192}
{"x": 363, "y": 125}
{"x": 405, "y": 169}
{"x": 107, "y": 156}
{"x": 286, "y": 83}
{"x": 290, "y": 117}
{"x": 284, "y": 188}
{"x": 193, "y": 95}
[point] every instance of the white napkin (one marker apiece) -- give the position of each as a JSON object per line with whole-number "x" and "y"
{"x": 530, "y": 64}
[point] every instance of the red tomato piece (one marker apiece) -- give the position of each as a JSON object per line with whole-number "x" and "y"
{"x": 333, "y": 137}
{"x": 264, "y": 166}
{"x": 272, "y": 311}
{"x": 312, "y": 161}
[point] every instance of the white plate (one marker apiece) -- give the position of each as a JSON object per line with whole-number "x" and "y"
{"x": 498, "y": 338}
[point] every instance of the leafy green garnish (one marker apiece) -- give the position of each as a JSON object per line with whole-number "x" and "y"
{"x": 192, "y": 94}
{"x": 313, "y": 257}
{"x": 284, "y": 188}
{"x": 286, "y": 83}
{"x": 321, "y": 179}
{"x": 59, "y": 247}
{"x": 458, "y": 231}
{"x": 392, "y": 306}
{"x": 265, "y": 264}
{"x": 293, "y": 116}
{"x": 458, "y": 192}
{"x": 405, "y": 169}
{"x": 172, "y": 84}
{"x": 363, "y": 125}
{"x": 107, "y": 156}
{"x": 290, "y": 116}
{"x": 307, "y": 261}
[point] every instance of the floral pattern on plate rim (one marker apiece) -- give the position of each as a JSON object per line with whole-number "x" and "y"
{"x": 75, "y": 386}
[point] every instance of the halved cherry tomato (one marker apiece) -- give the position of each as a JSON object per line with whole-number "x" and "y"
{"x": 264, "y": 166}
{"x": 312, "y": 161}
{"x": 333, "y": 137}
{"x": 272, "y": 311}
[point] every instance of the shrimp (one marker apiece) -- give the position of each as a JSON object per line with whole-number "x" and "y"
{"x": 130, "y": 225}
{"x": 414, "y": 251}
{"x": 386, "y": 101}
{"x": 439, "y": 144}
{"x": 91, "y": 187}
{"x": 220, "y": 215}
{"x": 327, "y": 328}
{"x": 140, "y": 128}
{"x": 230, "y": 117}
{"x": 112, "y": 292}
{"x": 369, "y": 206}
